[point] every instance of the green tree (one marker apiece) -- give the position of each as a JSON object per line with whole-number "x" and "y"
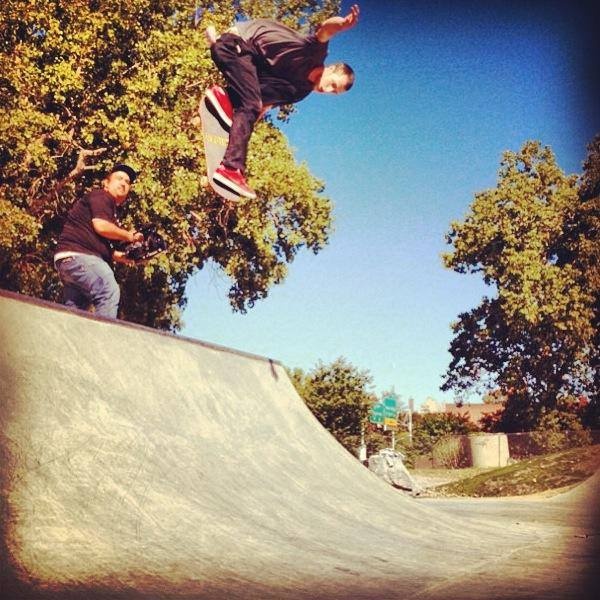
{"x": 338, "y": 396}
{"x": 561, "y": 428}
{"x": 532, "y": 338}
{"x": 580, "y": 247}
{"x": 86, "y": 83}
{"x": 430, "y": 428}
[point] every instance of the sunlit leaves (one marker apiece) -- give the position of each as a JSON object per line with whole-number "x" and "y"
{"x": 338, "y": 395}
{"x": 533, "y": 339}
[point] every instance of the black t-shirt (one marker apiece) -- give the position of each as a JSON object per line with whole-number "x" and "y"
{"x": 78, "y": 234}
{"x": 285, "y": 59}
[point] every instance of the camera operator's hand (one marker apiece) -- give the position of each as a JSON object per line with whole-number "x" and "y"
{"x": 136, "y": 236}
{"x": 121, "y": 257}
{"x": 145, "y": 244}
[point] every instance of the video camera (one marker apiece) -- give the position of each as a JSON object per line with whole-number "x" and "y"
{"x": 152, "y": 245}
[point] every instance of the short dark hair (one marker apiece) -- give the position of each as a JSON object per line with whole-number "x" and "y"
{"x": 125, "y": 169}
{"x": 346, "y": 70}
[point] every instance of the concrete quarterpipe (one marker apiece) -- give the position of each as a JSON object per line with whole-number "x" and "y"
{"x": 142, "y": 465}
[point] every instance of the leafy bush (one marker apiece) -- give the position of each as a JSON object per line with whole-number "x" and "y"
{"x": 451, "y": 452}
{"x": 429, "y": 428}
{"x": 559, "y": 430}
{"x": 437, "y": 435}
{"x": 338, "y": 396}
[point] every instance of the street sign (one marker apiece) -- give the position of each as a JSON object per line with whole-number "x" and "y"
{"x": 377, "y": 413}
{"x": 391, "y": 423}
{"x": 390, "y": 402}
{"x": 391, "y": 408}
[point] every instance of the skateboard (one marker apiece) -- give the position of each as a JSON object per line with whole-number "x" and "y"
{"x": 215, "y": 133}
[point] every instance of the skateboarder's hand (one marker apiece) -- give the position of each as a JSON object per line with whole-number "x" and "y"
{"x": 334, "y": 25}
{"x": 351, "y": 19}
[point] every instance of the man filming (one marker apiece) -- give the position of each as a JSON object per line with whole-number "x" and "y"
{"x": 84, "y": 255}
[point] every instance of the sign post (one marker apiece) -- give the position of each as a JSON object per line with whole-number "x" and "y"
{"x": 362, "y": 451}
{"x": 411, "y": 408}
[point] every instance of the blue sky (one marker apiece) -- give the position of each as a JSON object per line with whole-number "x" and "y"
{"x": 442, "y": 89}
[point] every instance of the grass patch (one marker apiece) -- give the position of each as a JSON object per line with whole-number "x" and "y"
{"x": 540, "y": 474}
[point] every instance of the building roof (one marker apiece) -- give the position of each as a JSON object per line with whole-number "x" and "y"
{"x": 473, "y": 411}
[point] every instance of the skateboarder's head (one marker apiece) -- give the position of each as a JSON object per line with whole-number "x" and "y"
{"x": 335, "y": 79}
{"x": 118, "y": 182}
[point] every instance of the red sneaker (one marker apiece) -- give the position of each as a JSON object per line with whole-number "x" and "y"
{"x": 233, "y": 180}
{"x": 219, "y": 100}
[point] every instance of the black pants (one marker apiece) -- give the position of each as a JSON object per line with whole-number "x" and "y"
{"x": 235, "y": 60}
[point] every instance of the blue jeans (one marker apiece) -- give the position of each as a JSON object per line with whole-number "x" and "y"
{"x": 89, "y": 280}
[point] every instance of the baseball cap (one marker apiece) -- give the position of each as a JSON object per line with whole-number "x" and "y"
{"x": 125, "y": 169}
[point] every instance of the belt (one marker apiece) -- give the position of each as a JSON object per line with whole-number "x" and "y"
{"x": 66, "y": 259}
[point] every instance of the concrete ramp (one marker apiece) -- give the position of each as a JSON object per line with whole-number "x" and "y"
{"x": 143, "y": 465}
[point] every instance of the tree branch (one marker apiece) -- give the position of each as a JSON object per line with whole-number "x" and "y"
{"x": 80, "y": 167}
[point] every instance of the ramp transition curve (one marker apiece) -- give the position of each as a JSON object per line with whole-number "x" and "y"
{"x": 143, "y": 465}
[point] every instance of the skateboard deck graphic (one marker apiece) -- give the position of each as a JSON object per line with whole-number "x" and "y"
{"x": 215, "y": 134}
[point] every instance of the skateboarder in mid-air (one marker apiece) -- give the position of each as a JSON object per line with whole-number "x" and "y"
{"x": 267, "y": 64}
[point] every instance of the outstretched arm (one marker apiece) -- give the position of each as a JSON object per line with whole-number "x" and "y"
{"x": 114, "y": 232}
{"x": 334, "y": 25}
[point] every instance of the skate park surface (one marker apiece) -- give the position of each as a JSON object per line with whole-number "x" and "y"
{"x": 142, "y": 465}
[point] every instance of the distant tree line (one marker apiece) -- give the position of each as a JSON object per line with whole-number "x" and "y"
{"x": 533, "y": 343}
{"x": 339, "y": 396}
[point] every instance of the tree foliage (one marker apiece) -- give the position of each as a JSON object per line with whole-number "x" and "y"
{"x": 338, "y": 396}
{"x": 430, "y": 428}
{"x": 580, "y": 247}
{"x": 533, "y": 338}
{"x": 86, "y": 83}
{"x": 560, "y": 428}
